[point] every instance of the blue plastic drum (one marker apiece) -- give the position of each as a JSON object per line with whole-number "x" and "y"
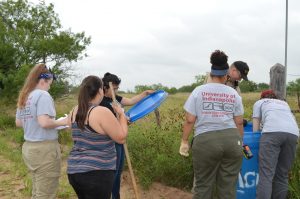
{"x": 248, "y": 177}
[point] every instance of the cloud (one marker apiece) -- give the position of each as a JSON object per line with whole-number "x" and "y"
{"x": 169, "y": 42}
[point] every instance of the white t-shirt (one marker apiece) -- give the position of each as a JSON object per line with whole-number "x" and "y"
{"x": 214, "y": 105}
{"x": 275, "y": 116}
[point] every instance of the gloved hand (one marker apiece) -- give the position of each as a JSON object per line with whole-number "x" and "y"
{"x": 184, "y": 148}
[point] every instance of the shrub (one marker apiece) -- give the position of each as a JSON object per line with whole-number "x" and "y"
{"x": 6, "y": 121}
{"x": 159, "y": 159}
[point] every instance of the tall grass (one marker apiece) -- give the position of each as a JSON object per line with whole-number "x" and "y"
{"x": 11, "y": 140}
{"x": 155, "y": 153}
{"x": 153, "y": 150}
{"x": 294, "y": 178}
{"x": 10, "y": 148}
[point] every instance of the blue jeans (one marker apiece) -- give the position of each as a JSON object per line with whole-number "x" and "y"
{"x": 119, "y": 169}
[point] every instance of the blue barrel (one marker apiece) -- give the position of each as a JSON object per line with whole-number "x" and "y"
{"x": 248, "y": 177}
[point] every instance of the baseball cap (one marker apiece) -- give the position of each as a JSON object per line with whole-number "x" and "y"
{"x": 243, "y": 68}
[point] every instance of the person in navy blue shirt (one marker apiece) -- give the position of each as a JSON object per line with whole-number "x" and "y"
{"x": 124, "y": 101}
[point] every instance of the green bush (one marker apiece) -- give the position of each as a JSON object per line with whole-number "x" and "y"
{"x": 6, "y": 121}
{"x": 155, "y": 153}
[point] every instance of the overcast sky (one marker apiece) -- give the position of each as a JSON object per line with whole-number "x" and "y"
{"x": 170, "y": 41}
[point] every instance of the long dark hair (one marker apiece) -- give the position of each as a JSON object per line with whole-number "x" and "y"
{"x": 89, "y": 88}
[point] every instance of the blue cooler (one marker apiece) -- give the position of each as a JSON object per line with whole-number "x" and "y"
{"x": 248, "y": 176}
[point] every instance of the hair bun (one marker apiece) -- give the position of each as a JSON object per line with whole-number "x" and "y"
{"x": 107, "y": 74}
{"x": 218, "y": 58}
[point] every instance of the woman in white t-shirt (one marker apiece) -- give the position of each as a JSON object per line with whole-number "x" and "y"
{"x": 277, "y": 146}
{"x": 216, "y": 112}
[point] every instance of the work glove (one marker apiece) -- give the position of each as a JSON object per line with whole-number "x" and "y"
{"x": 184, "y": 148}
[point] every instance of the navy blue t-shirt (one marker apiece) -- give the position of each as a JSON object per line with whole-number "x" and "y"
{"x": 106, "y": 102}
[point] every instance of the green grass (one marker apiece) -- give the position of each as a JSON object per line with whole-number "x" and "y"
{"x": 294, "y": 178}
{"x": 6, "y": 121}
{"x": 153, "y": 150}
{"x": 10, "y": 148}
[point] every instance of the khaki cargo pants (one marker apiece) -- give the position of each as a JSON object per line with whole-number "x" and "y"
{"x": 43, "y": 159}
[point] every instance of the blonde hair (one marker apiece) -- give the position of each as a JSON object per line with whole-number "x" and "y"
{"x": 30, "y": 83}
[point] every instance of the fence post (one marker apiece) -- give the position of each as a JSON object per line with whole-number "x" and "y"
{"x": 277, "y": 80}
{"x": 157, "y": 116}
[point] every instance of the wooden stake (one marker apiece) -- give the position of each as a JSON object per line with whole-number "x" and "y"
{"x": 157, "y": 116}
{"x": 131, "y": 172}
{"x": 126, "y": 149}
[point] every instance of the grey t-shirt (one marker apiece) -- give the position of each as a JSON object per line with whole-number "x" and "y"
{"x": 214, "y": 105}
{"x": 39, "y": 102}
{"x": 275, "y": 116}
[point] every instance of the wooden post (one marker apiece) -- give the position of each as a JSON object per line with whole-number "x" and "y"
{"x": 157, "y": 115}
{"x": 277, "y": 80}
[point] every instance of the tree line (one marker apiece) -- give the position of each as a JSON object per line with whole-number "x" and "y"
{"x": 245, "y": 86}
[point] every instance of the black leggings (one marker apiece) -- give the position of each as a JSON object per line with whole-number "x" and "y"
{"x": 93, "y": 184}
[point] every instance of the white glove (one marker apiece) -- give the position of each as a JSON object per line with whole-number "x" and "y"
{"x": 184, "y": 149}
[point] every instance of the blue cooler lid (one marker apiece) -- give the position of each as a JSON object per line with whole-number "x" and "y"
{"x": 146, "y": 105}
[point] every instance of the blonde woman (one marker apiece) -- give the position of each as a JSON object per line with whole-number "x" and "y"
{"x": 36, "y": 115}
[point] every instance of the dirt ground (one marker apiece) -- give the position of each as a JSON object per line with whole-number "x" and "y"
{"x": 156, "y": 191}
{"x": 12, "y": 186}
